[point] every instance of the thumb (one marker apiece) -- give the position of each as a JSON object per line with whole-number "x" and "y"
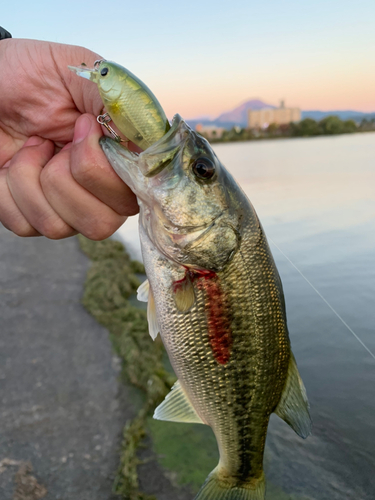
{"x": 90, "y": 168}
{"x": 83, "y": 127}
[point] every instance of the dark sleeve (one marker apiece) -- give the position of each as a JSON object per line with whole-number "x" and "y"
{"x": 4, "y": 34}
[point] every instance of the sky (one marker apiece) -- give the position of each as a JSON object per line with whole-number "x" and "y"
{"x": 201, "y": 58}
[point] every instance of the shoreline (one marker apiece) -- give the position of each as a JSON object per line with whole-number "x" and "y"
{"x": 279, "y": 137}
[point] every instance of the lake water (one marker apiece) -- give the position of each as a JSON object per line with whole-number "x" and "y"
{"x": 316, "y": 200}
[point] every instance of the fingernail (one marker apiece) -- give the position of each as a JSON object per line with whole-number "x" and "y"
{"x": 34, "y": 141}
{"x": 82, "y": 128}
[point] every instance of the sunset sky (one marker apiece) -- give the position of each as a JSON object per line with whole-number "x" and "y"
{"x": 201, "y": 58}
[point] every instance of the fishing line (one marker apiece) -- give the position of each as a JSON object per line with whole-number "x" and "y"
{"x": 324, "y": 300}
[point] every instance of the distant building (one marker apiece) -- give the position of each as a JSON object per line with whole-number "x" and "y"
{"x": 265, "y": 116}
{"x": 210, "y": 131}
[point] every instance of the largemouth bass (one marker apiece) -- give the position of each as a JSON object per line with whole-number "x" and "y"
{"x": 216, "y": 298}
{"x": 129, "y": 102}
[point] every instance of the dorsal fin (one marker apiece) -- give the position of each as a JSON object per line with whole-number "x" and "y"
{"x": 176, "y": 407}
{"x": 293, "y": 406}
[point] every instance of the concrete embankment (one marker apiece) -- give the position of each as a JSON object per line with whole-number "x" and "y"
{"x": 62, "y": 406}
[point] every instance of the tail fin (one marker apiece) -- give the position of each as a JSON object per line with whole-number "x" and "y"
{"x": 216, "y": 489}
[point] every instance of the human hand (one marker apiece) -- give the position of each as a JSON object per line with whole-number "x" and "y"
{"x": 54, "y": 178}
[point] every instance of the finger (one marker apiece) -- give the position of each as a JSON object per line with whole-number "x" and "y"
{"x": 9, "y": 147}
{"x": 10, "y": 215}
{"x": 24, "y": 184}
{"x": 74, "y": 204}
{"x": 32, "y": 141}
{"x": 90, "y": 168}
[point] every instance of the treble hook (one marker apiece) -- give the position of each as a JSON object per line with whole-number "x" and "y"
{"x": 104, "y": 120}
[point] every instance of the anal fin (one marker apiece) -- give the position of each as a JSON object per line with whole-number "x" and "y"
{"x": 293, "y": 406}
{"x": 176, "y": 407}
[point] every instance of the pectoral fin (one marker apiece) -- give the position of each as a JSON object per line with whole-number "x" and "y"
{"x": 153, "y": 326}
{"x": 184, "y": 296}
{"x": 143, "y": 291}
{"x": 144, "y": 294}
{"x": 176, "y": 407}
{"x": 293, "y": 406}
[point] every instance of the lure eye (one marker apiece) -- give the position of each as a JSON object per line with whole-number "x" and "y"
{"x": 203, "y": 168}
{"x": 104, "y": 71}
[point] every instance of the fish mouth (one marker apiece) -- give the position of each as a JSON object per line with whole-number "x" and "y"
{"x": 125, "y": 164}
{"x": 135, "y": 170}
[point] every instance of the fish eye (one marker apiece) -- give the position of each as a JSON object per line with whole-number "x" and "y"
{"x": 104, "y": 71}
{"x": 203, "y": 168}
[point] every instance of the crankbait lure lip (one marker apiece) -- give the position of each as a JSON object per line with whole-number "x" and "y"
{"x": 85, "y": 72}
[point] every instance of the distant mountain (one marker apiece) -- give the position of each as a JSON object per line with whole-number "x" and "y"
{"x": 343, "y": 115}
{"x": 239, "y": 115}
{"x": 229, "y": 119}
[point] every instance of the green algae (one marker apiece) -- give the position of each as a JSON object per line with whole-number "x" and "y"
{"x": 126, "y": 482}
{"x": 176, "y": 444}
{"x": 110, "y": 282}
{"x": 188, "y": 452}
